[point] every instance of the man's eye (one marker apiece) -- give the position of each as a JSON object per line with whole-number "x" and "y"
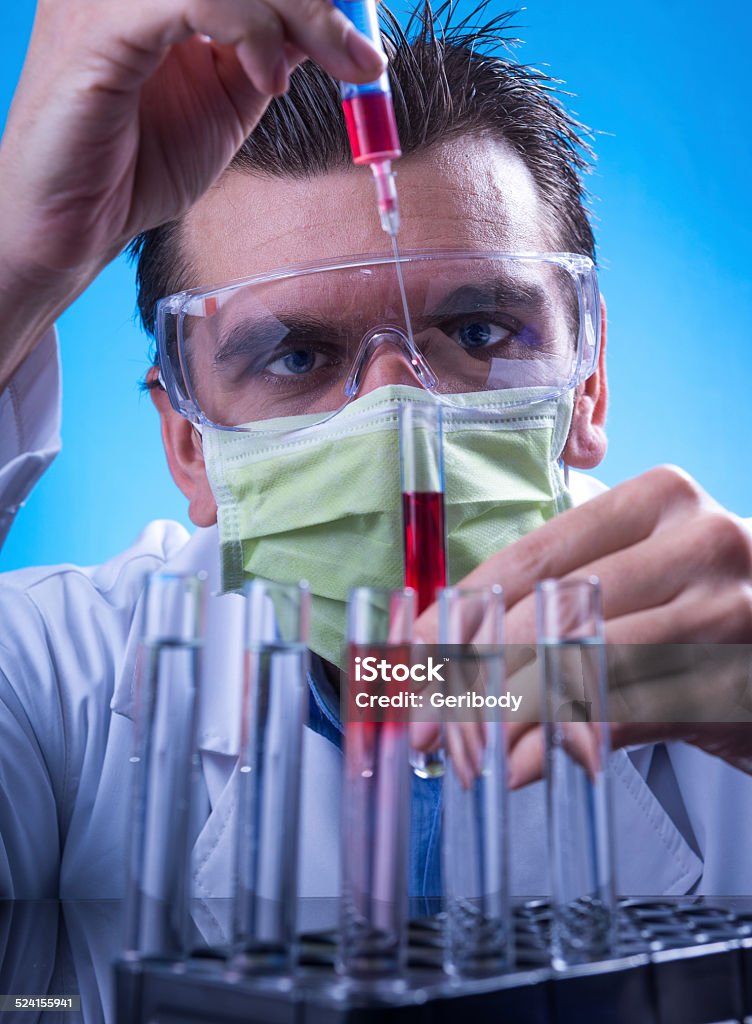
{"x": 296, "y": 363}
{"x": 481, "y": 334}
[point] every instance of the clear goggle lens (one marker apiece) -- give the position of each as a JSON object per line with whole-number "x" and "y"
{"x": 306, "y": 342}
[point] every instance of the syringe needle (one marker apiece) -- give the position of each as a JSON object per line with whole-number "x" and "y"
{"x": 403, "y": 293}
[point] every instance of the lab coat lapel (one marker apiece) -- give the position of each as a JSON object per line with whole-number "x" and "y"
{"x": 222, "y": 656}
{"x": 319, "y": 847}
{"x": 218, "y": 741}
{"x": 199, "y": 554}
{"x": 652, "y": 857}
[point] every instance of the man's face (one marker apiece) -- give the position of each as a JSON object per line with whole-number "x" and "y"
{"x": 469, "y": 194}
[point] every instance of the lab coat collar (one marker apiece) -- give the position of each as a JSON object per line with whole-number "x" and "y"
{"x": 222, "y": 653}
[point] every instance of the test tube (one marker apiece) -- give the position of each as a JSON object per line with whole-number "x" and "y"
{"x": 475, "y": 841}
{"x": 376, "y": 806}
{"x": 569, "y": 623}
{"x": 423, "y": 523}
{"x": 274, "y": 703}
{"x": 165, "y": 768}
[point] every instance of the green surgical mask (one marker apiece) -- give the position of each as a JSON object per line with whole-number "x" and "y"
{"x": 323, "y": 503}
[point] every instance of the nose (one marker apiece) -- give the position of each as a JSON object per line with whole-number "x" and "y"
{"x": 388, "y": 358}
{"x": 388, "y": 364}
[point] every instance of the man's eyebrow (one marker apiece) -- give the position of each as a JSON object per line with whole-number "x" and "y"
{"x": 264, "y": 333}
{"x": 493, "y": 293}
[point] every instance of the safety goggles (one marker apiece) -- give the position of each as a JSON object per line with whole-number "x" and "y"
{"x": 302, "y": 340}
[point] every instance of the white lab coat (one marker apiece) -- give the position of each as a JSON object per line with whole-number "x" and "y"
{"x": 68, "y": 639}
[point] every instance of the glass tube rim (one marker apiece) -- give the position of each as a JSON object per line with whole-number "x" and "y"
{"x": 553, "y": 584}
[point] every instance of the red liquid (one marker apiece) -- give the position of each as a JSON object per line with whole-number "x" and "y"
{"x": 425, "y": 545}
{"x": 371, "y": 127}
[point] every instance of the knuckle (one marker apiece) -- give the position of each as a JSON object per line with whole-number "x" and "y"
{"x": 256, "y": 20}
{"x": 317, "y": 9}
{"x": 266, "y": 22}
{"x": 326, "y": 19}
{"x": 676, "y": 484}
{"x": 307, "y": 11}
{"x": 729, "y": 540}
{"x": 741, "y": 613}
{"x": 199, "y": 11}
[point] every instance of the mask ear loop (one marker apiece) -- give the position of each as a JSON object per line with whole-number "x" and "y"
{"x": 559, "y": 492}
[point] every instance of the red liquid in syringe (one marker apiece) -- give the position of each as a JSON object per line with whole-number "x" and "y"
{"x": 425, "y": 553}
{"x": 371, "y": 127}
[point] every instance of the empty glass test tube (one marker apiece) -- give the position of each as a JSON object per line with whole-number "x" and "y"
{"x": 376, "y": 801}
{"x": 569, "y": 623}
{"x": 423, "y": 524}
{"x": 166, "y": 772}
{"x": 273, "y": 713}
{"x": 475, "y": 837}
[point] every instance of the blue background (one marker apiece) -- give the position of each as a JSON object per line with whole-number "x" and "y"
{"x": 666, "y": 84}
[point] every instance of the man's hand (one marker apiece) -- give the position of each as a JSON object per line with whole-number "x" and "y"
{"x": 125, "y": 114}
{"x": 675, "y": 568}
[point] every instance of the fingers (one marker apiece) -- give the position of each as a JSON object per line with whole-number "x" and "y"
{"x": 270, "y": 36}
{"x": 702, "y": 614}
{"x": 674, "y": 568}
{"x": 425, "y": 736}
{"x": 582, "y": 742}
{"x": 466, "y": 742}
{"x": 262, "y": 54}
{"x": 706, "y": 552}
{"x": 580, "y": 542}
{"x": 526, "y": 756}
{"x": 330, "y": 38}
{"x": 573, "y": 541}
{"x": 707, "y": 548}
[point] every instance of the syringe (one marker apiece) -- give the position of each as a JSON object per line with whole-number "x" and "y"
{"x": 369, "y": 114}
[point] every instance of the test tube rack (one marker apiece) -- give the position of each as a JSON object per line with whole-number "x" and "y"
{"x": 683, "y": 961}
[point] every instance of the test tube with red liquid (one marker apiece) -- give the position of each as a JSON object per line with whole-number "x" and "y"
{"x": 423, "y": 521}
{"x": 376, "y": 799}
{"x": 369, "y": 115}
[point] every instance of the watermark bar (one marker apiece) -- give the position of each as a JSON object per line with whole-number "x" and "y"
{"x": 646, "y": 683}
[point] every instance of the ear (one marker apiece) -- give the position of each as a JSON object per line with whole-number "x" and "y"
{"x": 587, "y": 442}
{"x": 185, "y": 457}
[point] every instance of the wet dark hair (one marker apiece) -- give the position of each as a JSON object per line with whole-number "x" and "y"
{"x": 450, "y": 78}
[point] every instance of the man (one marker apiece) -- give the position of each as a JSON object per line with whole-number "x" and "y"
{"x": 126, "y": 120}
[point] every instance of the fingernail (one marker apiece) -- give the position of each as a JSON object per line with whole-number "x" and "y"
{"x": 364, "y": 53}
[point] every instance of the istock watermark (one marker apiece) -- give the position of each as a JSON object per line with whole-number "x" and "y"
{"x": 442, "y": 683}
{"x": 372, "y": 669}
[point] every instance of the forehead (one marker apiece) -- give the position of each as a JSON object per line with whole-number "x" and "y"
{"x": 467, "y": 194}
